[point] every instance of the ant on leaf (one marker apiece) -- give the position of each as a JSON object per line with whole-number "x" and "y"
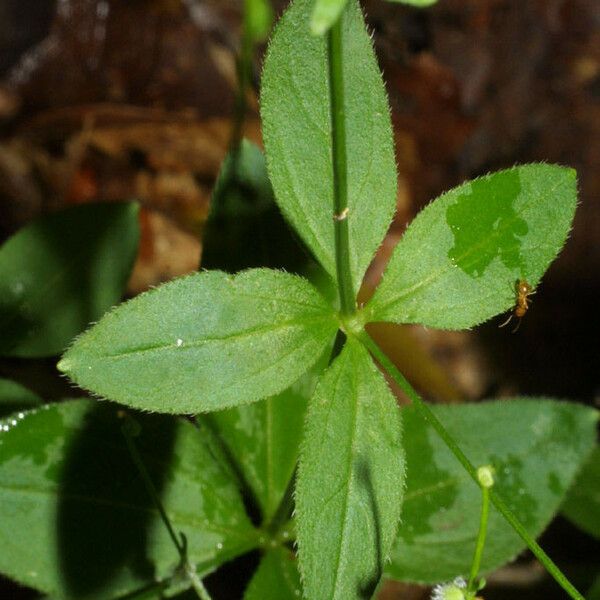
{"x": 523, "y": 291}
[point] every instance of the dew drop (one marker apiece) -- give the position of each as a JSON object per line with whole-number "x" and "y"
{"x": 179, "y": 342}
{"x": 13, "y": 422}
{"x": 21, "y": 415}
{"x": 219, "y": 546}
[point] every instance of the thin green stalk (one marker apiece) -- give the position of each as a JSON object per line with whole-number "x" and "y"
{"x": 139, "y": 463}
{"x": 496, "y": 500}
{"x": 201, "y": 591}
{"x": 479, "y": 546}
{"x": 340, "y": 168}
{"x": 284, "y": 510}
{"x": 128, "y": 429}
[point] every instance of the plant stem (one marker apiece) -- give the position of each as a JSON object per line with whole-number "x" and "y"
{"x": 340, "y": 168}
{"x": 282, "y": 514}
{"x": 179, "y": 543}
{"x": 496, "y": 500}
{"x": 476, "y": 564}
{"x": 196, "y": 582}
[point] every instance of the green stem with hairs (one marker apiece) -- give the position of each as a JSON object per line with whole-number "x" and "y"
{"x": 340, "y": 168}
{"x": 427, "y": 414}
{"x": 130, "y": 428}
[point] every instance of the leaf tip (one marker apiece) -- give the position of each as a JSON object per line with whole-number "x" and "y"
{"x": 64, "y": 365}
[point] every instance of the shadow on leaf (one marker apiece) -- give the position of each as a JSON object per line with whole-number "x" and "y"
{"x": 104, "y": 509}
{"x": 363, "y": 475}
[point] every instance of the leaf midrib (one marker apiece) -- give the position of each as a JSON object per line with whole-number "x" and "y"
{"x": 223, "y": 338}
{"x": 350, "y": 486}
{"x": 95, "y": 500}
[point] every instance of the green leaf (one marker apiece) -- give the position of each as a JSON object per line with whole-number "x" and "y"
{"x": 297, "y": 133}
{"x": 350, "y": 480}
{"x": 458, "y": 262}
{"x": 536, "y": 448}
{"x": 245, "y": 227}
{"x": 204, "y": 342}
{"x": 263, "y": 438}
{"x": 14, "y": 397}
{"x": 325, "y": 14}
{"x": 77, "y": 521}
{"x": 62, "y": 272}
{"x": 276, "y": 578}
{"x": 582, "y": 505}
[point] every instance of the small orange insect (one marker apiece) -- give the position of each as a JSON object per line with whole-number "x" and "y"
{"x": 523, "y": 290}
